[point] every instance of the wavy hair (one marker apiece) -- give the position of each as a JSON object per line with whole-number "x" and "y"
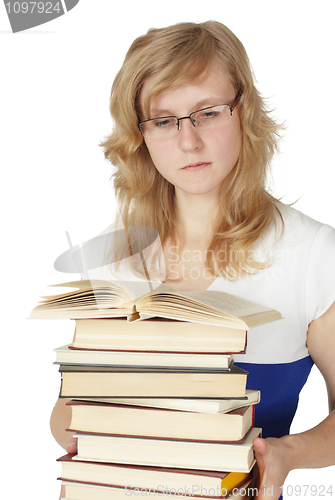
{"x": 178, "y": 54}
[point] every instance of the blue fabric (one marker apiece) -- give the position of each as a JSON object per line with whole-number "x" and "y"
{"x": 280, "y": 385}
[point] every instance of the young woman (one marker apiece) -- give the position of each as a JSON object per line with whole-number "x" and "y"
{"x": 192, "y": 144}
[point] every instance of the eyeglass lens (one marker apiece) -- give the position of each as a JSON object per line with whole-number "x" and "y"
{"x": 212, "y": 116}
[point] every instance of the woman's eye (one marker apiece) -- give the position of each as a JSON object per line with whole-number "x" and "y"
{"x": 163, "y": 123}
{"x": 208, "y": 114}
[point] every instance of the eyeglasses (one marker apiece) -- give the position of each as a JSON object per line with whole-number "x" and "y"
{"x": 168, "y": 126}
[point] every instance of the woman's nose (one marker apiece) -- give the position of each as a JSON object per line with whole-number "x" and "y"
{"x": 188, "y": 136}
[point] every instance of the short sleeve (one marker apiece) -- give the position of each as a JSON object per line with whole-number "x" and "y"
{"x": 320, "y": 276}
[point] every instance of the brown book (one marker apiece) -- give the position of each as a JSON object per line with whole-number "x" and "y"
{"x": 231, "y": 457}
{"x": 84, "y": 491}
{"x": 138, "y": 421}
{"x": 108, "y": 381}
{"x": 160, "y": 480}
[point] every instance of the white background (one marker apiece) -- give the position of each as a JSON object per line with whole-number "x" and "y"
{"x": 55, "y": 85}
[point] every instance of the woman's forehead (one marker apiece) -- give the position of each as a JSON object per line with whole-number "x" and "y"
{"x": 214, "y": 81}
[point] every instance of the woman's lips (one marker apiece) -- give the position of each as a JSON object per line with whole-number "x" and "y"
{"x": 196, "y": 166}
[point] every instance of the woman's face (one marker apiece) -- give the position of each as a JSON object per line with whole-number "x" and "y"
{"x": 196, "y": 161}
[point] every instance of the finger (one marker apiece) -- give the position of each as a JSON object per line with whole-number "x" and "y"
{"x": 260, "y": 446}
{"x": 72, "y": 446}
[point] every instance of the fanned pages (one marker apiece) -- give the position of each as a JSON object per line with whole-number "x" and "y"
{"x": 94, "y": 299}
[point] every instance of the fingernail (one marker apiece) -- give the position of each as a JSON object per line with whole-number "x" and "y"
{"x": 72, "y": 446}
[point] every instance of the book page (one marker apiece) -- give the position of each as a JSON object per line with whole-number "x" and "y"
{"x": 138, "y": 289}
{"x": 212, "y": 304}
{"x": 226, "y": 302}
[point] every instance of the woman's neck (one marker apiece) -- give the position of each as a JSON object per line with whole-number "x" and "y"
{"x": 196, "y": 214}
{"x": 185, "y": 263}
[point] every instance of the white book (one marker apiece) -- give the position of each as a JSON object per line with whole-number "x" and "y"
{"x": 67, "y": 355}
{"x": 230, "y": 457}
{"x": 195, "y": 405}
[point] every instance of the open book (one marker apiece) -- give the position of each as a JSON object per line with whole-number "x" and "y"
{"x": 104, "y": 299}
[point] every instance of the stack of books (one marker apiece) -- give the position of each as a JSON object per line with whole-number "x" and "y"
{"x": 158, "y": 405}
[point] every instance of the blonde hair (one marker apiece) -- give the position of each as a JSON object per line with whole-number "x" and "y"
{"x": 181, "y": 53}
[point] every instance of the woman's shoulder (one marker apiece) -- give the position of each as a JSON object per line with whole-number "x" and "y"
{"x": 295, "y": 238}
{"x": 299, "y": 226}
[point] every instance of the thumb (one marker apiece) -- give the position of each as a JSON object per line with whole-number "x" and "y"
{"x": 72, "y": 446}
{"x": 260, "y": 446}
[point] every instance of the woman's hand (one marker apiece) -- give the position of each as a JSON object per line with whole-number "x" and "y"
{"x": 274, "y": 464}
